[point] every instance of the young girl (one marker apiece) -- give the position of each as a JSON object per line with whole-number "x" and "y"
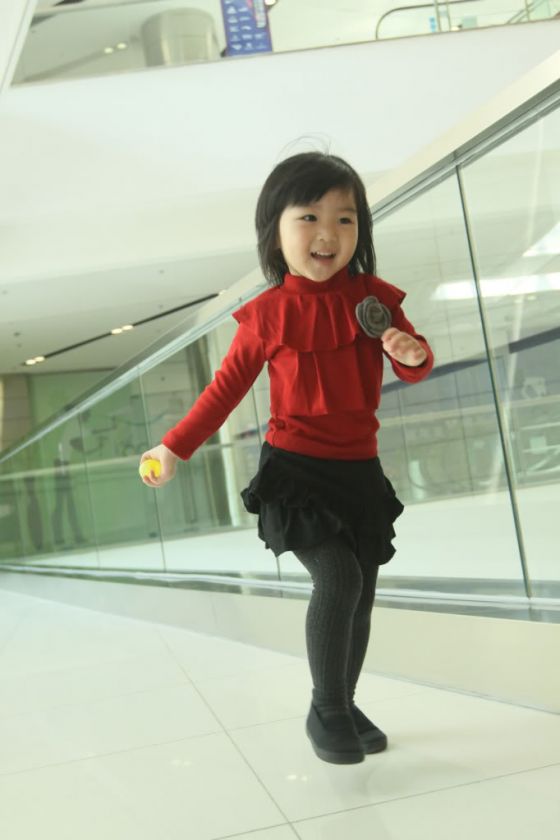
{"x": 320, "y": 491}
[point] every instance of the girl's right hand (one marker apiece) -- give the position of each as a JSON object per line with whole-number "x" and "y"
{"x": 168, "y": 461}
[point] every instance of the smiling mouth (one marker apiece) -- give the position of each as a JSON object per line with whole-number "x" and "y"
{"x": 319, "y": 255}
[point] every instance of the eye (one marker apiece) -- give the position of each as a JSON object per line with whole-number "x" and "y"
{"x": 309, "y": 216}
{"x": 346, "y": 221}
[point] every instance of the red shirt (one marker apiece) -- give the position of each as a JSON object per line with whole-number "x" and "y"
{"x": 325, "y": 371}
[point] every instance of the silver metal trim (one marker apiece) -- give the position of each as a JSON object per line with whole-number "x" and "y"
{"x": 281, "y": 585}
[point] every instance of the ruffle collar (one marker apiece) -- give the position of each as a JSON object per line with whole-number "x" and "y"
{"x": 310, "y": 316}
{"x": 295, "y": 284}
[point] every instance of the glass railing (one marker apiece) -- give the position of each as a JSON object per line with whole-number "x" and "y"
{"x": 473, "y": 451}
{"x": 87, "y": 38}
{"x": 425, "y": 18}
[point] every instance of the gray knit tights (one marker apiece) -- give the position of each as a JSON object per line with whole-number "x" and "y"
{"x": 338, "y": 620}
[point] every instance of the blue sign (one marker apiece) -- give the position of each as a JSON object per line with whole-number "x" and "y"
{"x": 246, "y": 25}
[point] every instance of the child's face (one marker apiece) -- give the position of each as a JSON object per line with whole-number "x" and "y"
{"x": 328, "y": 227}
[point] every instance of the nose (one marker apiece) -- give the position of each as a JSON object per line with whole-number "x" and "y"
{"x": 327, "y": 232}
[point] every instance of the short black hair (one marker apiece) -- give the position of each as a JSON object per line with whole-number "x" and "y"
{"x": 300, "y": 180}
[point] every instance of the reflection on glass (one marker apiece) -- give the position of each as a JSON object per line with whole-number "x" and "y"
{"x": 125, "y": 516}
{"x": 10, "y": 526}
{"x": 65, "y": 494}
{"x": 49, "y": 503}
{"x": 513, "y": 208}
{"x": 204, "y": 496}
{"x": 439, "y": 441}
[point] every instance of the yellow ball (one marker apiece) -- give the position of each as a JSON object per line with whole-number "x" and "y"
{"x": 151, "y": 465}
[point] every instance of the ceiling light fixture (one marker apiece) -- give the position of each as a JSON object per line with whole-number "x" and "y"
{"x": 120, "y": 329}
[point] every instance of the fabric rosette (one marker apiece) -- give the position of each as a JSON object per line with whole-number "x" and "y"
{"x": 373, "y": 317}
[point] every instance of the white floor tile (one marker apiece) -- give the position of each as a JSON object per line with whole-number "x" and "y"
{"x": 13, "y": 612}
{"x": 198, "y": 789}
{"x": 513, "y": 807}
{"x": 254, "y": 697}
{"x": 279, "y": 692}
{"x": 205, "y": 657}
{"x": 117, "y": 728}
{"x": 57, "y": 636}
{"x": 67, "y": 733}
{"x": 436, "y": 738}
{"x": 35, "y": 690}
{"x": 282, "y": 832}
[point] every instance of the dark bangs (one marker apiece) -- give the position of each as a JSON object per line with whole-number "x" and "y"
{"x": 304, "y": 179}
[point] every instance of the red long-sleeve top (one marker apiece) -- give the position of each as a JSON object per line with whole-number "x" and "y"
{"x": 325, "y": 371}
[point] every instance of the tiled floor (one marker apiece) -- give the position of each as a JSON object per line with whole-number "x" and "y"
{"x": 116, "y": 729}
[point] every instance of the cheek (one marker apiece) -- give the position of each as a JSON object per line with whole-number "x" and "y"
{"x": 293, "y": 241}
{"x": 282, "y": 236}
{"x": 352, "y": 240}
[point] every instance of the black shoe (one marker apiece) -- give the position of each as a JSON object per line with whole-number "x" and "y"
{"x": 335, "y": 740}
{"x": 372, "y": 738}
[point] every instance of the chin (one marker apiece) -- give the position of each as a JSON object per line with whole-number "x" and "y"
{"x": 321, "y": 277}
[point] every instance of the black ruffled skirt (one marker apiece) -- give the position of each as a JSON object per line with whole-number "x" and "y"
{"x": 301, "y": 501}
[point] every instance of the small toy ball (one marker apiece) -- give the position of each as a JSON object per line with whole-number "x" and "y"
{"x": 151, "y": 465}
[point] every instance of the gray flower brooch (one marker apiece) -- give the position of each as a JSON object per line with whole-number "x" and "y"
{"x": 373, "y": 317}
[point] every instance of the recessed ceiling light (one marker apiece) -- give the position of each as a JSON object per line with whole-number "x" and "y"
{"x": 128, "y": 327}
{"x": 116, "y": 331}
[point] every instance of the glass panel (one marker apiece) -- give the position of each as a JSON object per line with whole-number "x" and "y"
{"x": 10, "y": 525}
{"x": 204, "y": 497}
{"x": 52, "y": 500}
{"x": 73, "y": 41}
{"x": 439, "y": 442}
{"x": 512, "y": 197}
{"x": 126, "y": 517}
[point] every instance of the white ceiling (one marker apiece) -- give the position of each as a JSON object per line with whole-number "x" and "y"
{"x": 125, "y": 195}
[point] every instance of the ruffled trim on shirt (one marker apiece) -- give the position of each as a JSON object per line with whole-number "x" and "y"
{"x": 321, "y": 317}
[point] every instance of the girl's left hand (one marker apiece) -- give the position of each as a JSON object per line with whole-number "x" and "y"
{"x": 403, "y": 348}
